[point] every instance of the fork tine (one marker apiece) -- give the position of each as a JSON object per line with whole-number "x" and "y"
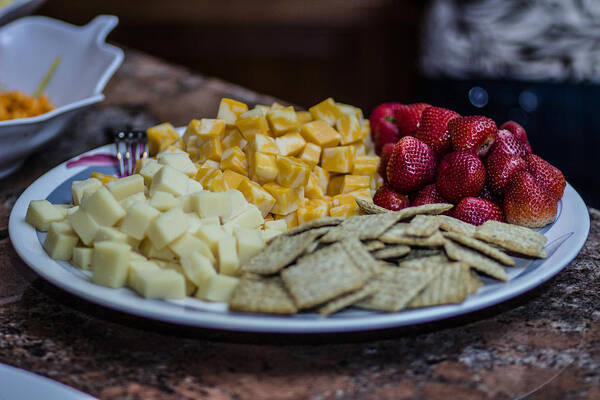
{"x": 129, "y": 141}
{"x": 119, "y": 138}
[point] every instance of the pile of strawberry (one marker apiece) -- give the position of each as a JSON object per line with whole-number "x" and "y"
{"x": 434, "y": 155}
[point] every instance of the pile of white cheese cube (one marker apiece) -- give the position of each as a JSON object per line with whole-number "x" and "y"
{"x": 160, "y": 234}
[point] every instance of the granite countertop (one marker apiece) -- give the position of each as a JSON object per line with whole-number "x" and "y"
{"x": 544, "y": 344}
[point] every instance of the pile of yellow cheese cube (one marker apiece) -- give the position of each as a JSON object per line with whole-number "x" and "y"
{"x": 292, "y": 165}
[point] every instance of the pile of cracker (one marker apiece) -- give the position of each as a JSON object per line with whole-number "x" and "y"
{"x": 382, "y": 260}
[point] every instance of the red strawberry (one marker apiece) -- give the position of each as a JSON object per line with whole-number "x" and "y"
{"x": 519, "y": 132}
{"x": 474, "y": 133}
{"x": 384, "y": 157}
{"x": 459, "y": 175}
{"x": 408, "y": 117}
{"x": 386, "y": 197}
{"x": 383, "y": 124}
{"x": 428, "y": 195}
{"x": 476, "y": 211}
{"x": 500, "y": 169}
{"x": 411, "y": 166}
{"x": 546, "y": 175}
{"x": 387, "y": 132}
{"x": 433, "y": 129}
{"x": 487, "y": 194}
{"x": 527, "y": 203}
{"x": 507, "y": 143}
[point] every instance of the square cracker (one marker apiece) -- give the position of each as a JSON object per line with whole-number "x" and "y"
{"x": 476, "y": 260}
{"x": 315, "y": 223}
{"x": 424, "y": 262}
{"x": 362, "y": 226}
{"x": 430, "y": 209}
{"x": 322, "y": 276}
{"x": 262, "y": 295}
{"x": 451, "y": 224}
{"x": 513, "y": 237}
{"x": 369, "y": 208}
{"x": 481, "y": 247}
{"x": 449, "y": 286}
{"x": 280, "y": 252}
{"x": 349, "y": 299}
{"x": 398, "y": 286}
{"x": 372, "y": 245}
{"x": 423, "y": 226}
{"x": 435, "y": 240}
{"x": 416, "y": 253}
{"x": 475, "y": 282}
{"x": 361, "y": 256}
{"x": 393, "y": 251}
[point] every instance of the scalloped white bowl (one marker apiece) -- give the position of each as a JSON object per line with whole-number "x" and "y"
{"x": 27, "y": 48}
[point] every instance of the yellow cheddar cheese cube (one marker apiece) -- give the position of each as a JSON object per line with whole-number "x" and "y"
{"x": 351, "y": 110}
{"x": 323, "y": 177}
{"x": 291, "y": 219}
{"x": 327, "y": 111}
{"x": 160, "y": 137}
{"x": 205, "y": 174}
{"x": 349, "y": 129}
{"x": 344, "y": 210}
{"x": 293, "y": 173}
{"x": 233, "y": 137}
{"x": 282, "y": 120}
{"x": 320, "y": 133}
{"x": 252, "y": 123}
{"x": 104, "y": 178}
{"x": 276, "y": 106}
{"x": 263, "y": 167}
{"x": 334, "y": 186}
{"x": 217, "y": 184}
{"x": 313, "y": 189}
{"x": 364, "y": 194}
{"x": 264, "y": 144}
{"x": 290, "y": 144}
{"x": 343, "y": 199}
{"x": 255, "y": 194}
{"x": 230, "y": 110}
{"x": 351, "y": 183}
{"x": 338, "y": 159}
{"x": 235, "y": 160}
{"x": 262, "y": 108}
{"x": 365, "y": 165}
{"x": 211, "y": 149}
{"x": 206, "y": 128}
{"x": 359, "y": 149}
{"x": 313, "y": 209}
{"x": 311, "y": 154}
{"x": 232, "y": 178}
{"x": 286, "y": 199}
{"x": 304, "y": 116}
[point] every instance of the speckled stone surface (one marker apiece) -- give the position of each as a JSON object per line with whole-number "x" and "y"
{"x": 542, "y": 345}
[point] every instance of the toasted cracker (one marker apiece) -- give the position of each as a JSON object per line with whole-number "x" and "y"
{"x": 262, "y": 295}
{"x": 481, "y": 247}
{"x": 448, "y": 287}
{"x": 514, "y": 238}
{"x": 424, "y": 261}
{"x": 312, "y": 247}
{"x": 398, "y": 286}
{"x": 315, "y": 223}
{"x": 423, "y": 226}
{"x": 437, "y": 239}
{"x": 329, "y": 273}
{"x": 347, "y": 300}
{"x": 418, "y": 252}
{"x": 279, "y": 253}
{"x": 451, "y": 224}
{"x": 476, "y": 260}
{"x": 369, "y": 208}
{"x": 474, "y": 283}
{"x": 361, "y": 226}
{"x": 394, "y": 251}
{"x": 430, "y": 209}
{"x": 372, "y": 245}
{"x": 361, "y": 257}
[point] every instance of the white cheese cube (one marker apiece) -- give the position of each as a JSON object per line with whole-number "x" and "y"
{"x": 163, "y": 201}
{"x": 251, "y": 217}
{"x": 107, "y": 233}
{"x": 211, "y": 204}
{"x": 190, "y": 287}
{"x": 148, "y": 171}
{"x": 164, "y": 254}
{"x": 78, "y": 188}
{"x": 229, "y": 227}
{"x": 179, "y": 161}
{"x": 269, "y": 234}
{"x": 193, "y": 186}
{"x": 212, "y": 234}
{"x": 249, "y": 243}
{"x": 110, "y": 264}
{"x": 157, "y": 283}
{"x": 169, "y": 180}
{"x": 41, "y": 213}
{"x": 134, "y": 198}
{"x": 72, "y": 210}
{"x": 167, "y": 227}
{"x": 187, "y": 244}
{"x": 197, "y": 268}
{"x": 238, "y": 202}
{"x": 277, "y": 225}
{"x": 103, "y": 207}
{"x": 135, "y": 265}
{"x": 217, "y": 288}
{"x": 186, "y": 203}
{"x": 194, "y": 222}
{"x": 60, "y": 241}
{"x": 125, "y": 187}
{"x": 82, "y": 257}
{"x": 135, "y": 256}
{"x": 210, "y": 221}
{"x": 84, "y": 225}
{"x": 228, "y": 258}
{"x": 138, "y": 219}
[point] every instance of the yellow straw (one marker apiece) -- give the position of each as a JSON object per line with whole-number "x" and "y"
{"x": 44, "y": 83}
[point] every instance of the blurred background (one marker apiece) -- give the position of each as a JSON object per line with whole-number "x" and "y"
{"x": 535, "y": 62}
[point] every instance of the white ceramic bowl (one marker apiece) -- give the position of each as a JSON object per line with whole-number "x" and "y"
{"x": 18, "y": 8}
{"x": 28, "y": 47}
